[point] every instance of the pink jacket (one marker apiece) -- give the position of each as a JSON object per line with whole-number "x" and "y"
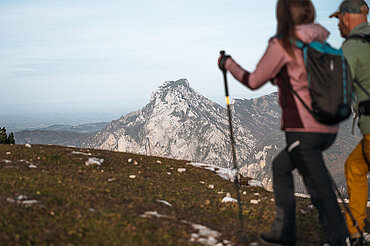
{"x": 295, "y": 117}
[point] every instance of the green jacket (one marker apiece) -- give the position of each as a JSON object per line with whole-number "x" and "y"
{"x": 357, "y": 54}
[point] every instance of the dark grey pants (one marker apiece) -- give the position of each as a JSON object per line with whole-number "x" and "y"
{"x": 304, "y": 152}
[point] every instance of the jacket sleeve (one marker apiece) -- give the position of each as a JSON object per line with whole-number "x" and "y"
{"x": 274, "y": 59}
{"x": 350, "y": 50}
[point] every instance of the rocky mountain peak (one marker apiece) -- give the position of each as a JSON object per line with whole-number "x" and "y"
{"x": 172, "y": 89}
{"x": 184, "y": 83}
{"x": 178, "y": 122}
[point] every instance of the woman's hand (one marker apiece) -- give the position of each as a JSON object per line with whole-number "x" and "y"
{"x": 222, "y": 60}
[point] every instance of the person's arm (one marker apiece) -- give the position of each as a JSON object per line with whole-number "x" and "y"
{"x": 267, "y": 68}
{"x": 350, "y": 51}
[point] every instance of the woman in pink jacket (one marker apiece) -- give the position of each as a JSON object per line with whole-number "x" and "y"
{"x": 306, "y": 138}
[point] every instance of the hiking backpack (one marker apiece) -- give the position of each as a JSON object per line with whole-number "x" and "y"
{"x": 329, "y": 82}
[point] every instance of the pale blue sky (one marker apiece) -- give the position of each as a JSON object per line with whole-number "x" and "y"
{"x": 70, "y": 51}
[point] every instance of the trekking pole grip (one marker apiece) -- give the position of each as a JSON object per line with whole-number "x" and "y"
{"x": 222, "y": 53}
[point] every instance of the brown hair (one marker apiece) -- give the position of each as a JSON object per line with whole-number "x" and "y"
{"x": 290, "y": 13}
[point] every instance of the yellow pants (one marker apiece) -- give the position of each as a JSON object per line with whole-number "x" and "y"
{"x": 356, "y": 170}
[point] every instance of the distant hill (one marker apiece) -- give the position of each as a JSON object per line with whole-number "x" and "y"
{"x": 84, "y": 128}
{"x": 59, "y": 134}
{"x": 50, "y": 137}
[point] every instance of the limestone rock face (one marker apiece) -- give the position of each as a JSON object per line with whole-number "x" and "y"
{"x": 180, "y": 123}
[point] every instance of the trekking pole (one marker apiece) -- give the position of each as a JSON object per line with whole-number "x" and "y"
{"x": 334, "y": 185}
{"x": 243, "y": 237}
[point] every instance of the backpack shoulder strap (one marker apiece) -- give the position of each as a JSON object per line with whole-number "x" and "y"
{"x": 362, "y": 88}
{"x": 363, "y": 37}
{"x": 299, "y": 44}
{"x": 286, "y": 81}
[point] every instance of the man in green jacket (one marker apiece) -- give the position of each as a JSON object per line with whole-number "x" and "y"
{"x": 352, "y": 16}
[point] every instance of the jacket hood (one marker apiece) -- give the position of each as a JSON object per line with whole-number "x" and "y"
{"x": 312, "y": 32}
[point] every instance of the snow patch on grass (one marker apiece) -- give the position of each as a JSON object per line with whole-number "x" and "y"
{"x": 22, "y": 200}
{"x": 165, "y": 202}
{"x": 204, "y": 235}
{"x": 181, "y": 170}
{"x": 80, "y": 153}
{"x": 225, "y": 173}
{"x": 228, "y": 198}
{"x": 94, "y": 161}
{"x": 149, "y": 214}
{"x": 255, "y": 183}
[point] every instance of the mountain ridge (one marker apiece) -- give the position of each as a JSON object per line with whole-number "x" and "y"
{"x": 180, "y": 123}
